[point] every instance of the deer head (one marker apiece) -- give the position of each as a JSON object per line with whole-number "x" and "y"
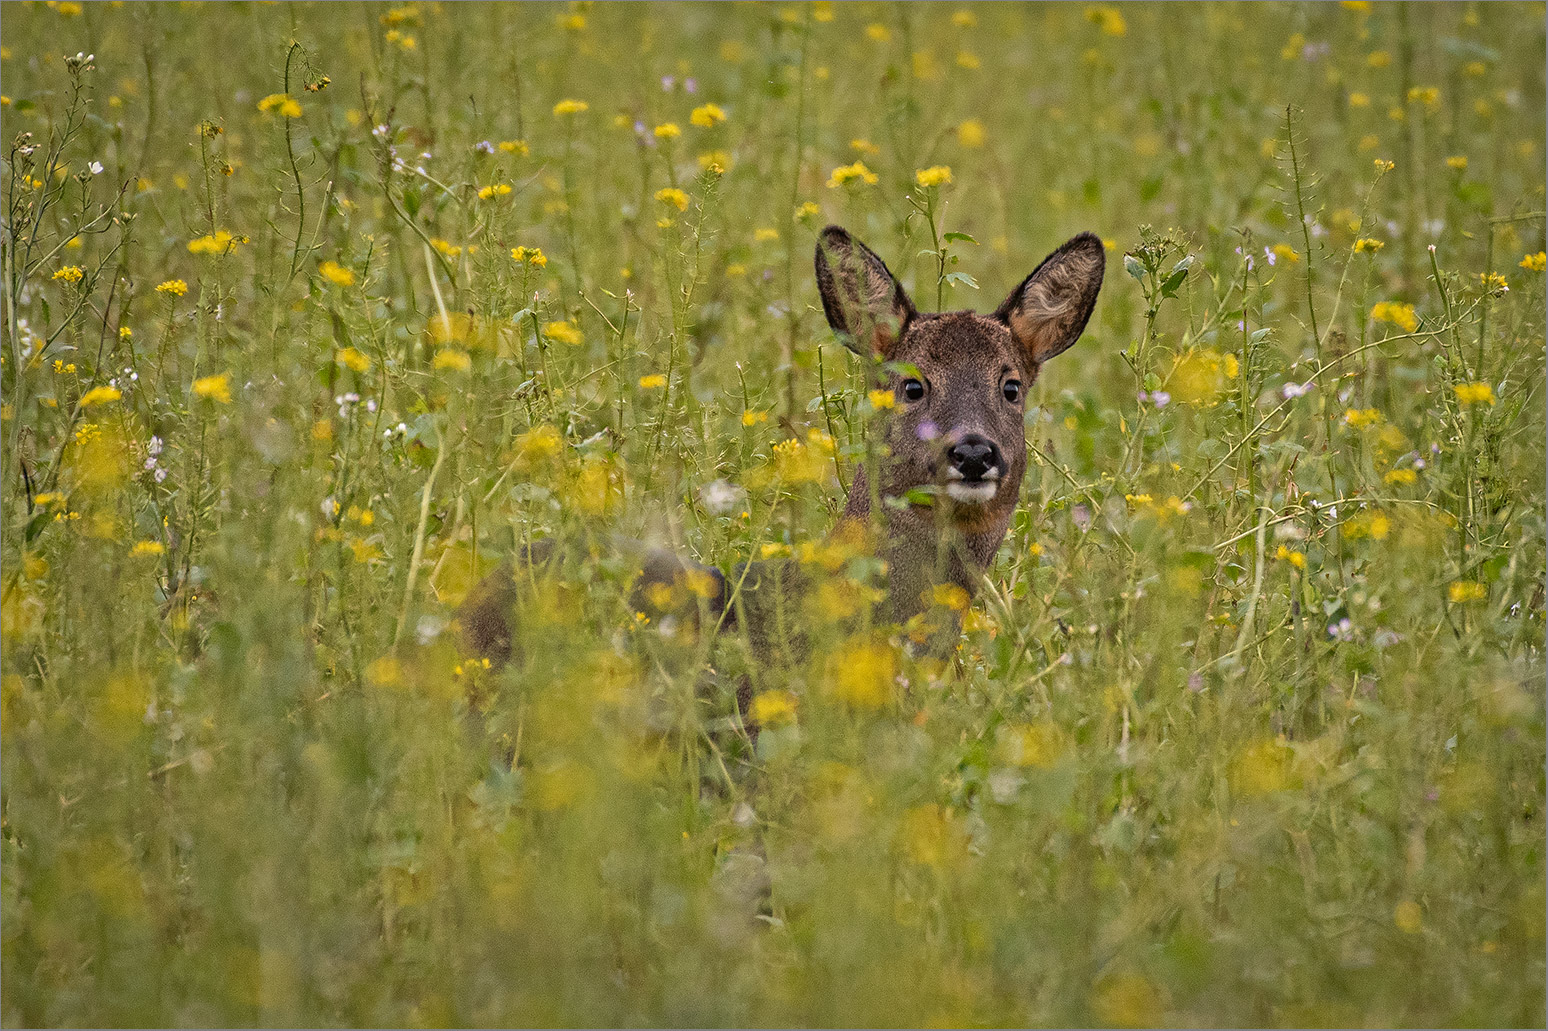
{"x": 958, "y": 415}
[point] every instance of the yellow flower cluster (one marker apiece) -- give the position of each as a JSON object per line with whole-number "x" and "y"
{"x": 532, "y": 256}
{"x": 848, "y": 173}
{"x": 1108, "y": 19}
{"x": 1359, "y": 419}
{"x": 214, "y": 388}
{"x": 571, "y": 107}
{"x": 565, "y": 332}
{"x": 70, "y": 274}
{"x": 935, "y": 175}
{"x": 452, "y": 358}
{"x": 100, "y": 395}
{"x": 1400, "y": 315}
{"x": 653, "y": 381}
{"x": 336, "y": 274}
{"x": 1474, "y": 393}
{"x": 1200, "y": 377}
{"x": 1463, "y": 591}
{"x": 707, "y": 115}
{"x": 495, "y": 190}
{"x": 1535, "y": 262}
{"x": 354, "y": 360}
{"x": 971, "y": 133}
{"x": 1295, "y": 558}
{"x": 175, "y": 287}
{"x": 1367, "y": 245}
{"x": 674, "y": 197}
{"x": 219, "y": 242}
{"x": 668, "y": 131}
{"x": 282, "y": 104}
{"x": 517, "y": 147}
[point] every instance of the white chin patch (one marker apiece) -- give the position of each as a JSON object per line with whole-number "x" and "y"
{"x": 972, "y": 493}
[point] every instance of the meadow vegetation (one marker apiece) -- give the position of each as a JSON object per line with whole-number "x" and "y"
{"x": 314, "y": 312}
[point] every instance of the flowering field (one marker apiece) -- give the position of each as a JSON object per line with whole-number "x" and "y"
{"x": 314, "y": 313}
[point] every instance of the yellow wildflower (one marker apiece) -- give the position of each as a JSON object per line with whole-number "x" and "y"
{"x": 881, "y": 399}
{"x": 533, "y": 256}
{"x": 1402, "y": 477}
{"x": 654, "y": 381}
{"x": 100, "y": 395}
{"x": 336, "y": 274}
{"x": 847, "y": 173}
{"x": 765, "y": 235}
{"x": 124, "y": 332}
{"x": 142, "y": 549}
{"x": 517, "y": 147}
{"x": 773, "y": 708}
{"x": 1535, "y": 262}
{"x": 1408, "y": 916}
{"x": 716, "y": 161}
{"x": 861, "y": 674}
{"x": 878, "y": 32}
{"x": 1367, "y": 245}
{"x": 667, "y": 131}
{"x": 674, "y": 197}
{"x": 935, "y": 175}
{"x": 70, "y": 274}
{"x": 808, "y": 209}
{"x": 1295, "y": 558}
{"x": 1429, "y": 96}
{"x": 752, "y": 418}
{"x": 571, "y": 107}
{"x": 864, "y": 146}
{"x": 1378, "y": 59}
{"x": 452, "y": 358}
{"x": 1493, "y": 282}
{"x": 1382, "y": 164}
{"x": 1108, "y": 19}
{"x": 964, "y": 19}
{"x": 1400, "y": 315}
{"x": 495, "y": 190}
{"x": 1474, "y": 393}
{"x": 1457, "y": 162}
{"x": 1359, "y": 100}
{"x": 353, "y": 359}
{"x": 969, "y": 60}
{"x": 565, "y": 332}
{"x": 214, "y": 388}
{"x": 219, "y": 242}
{"x": 707, "y": 115}
{"x": 971, "y": 133}
{"x": 1463, "y": 591}
{"x": 282, "y": 104}
{"x": 1284, "y": 250}
{"x": 1361, "y": 419}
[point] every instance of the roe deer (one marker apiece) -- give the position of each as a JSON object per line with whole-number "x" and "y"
{"x": 956, "y": 428}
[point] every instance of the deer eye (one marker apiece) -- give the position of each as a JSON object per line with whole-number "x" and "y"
{"x": 1012, "y": 390}
{"x": 913, "y": 390}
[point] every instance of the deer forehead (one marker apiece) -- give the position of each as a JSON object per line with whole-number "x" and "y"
{"x": 962, "y": 344}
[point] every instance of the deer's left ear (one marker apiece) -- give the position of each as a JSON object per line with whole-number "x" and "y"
{"x": 1050, "y": 308}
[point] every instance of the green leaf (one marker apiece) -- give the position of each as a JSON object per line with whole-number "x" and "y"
{"x": 1132, "y": 266}
{"x": 959, "y": 236}
{"x": 903, "y": 369}
{"x": 961, "y": 277}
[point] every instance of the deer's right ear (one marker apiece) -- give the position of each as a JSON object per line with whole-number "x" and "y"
{"x": 865, "y": 304}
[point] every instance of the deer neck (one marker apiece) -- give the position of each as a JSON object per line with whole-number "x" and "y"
{"x": 925, "y": 547}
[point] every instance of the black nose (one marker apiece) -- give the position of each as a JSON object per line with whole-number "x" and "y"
{"x": 973, "y": 456}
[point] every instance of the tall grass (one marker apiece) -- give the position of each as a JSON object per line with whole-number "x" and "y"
{"x": 313, "y": 313}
